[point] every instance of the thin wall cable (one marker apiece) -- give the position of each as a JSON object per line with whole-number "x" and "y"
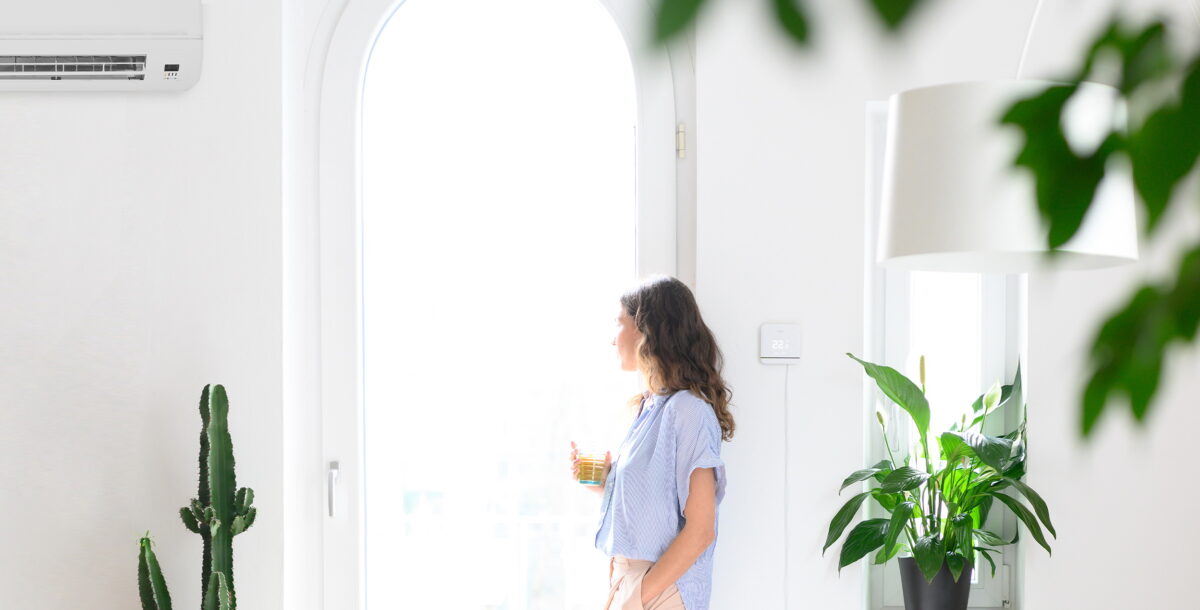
{"x": 1037, "y": 9}
{"x": 787, "y": 368}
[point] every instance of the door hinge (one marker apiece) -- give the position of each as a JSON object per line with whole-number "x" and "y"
{"x": 681, "y": 141}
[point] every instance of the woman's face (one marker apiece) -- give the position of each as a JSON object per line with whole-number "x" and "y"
{"x": 626, "y": 340}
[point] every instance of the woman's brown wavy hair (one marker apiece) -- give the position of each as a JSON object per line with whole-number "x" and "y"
{"x": 677, "y": 350}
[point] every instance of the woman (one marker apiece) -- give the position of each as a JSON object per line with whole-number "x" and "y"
{"x": 660, "y": 495}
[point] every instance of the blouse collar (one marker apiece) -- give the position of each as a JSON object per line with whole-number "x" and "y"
{"x": 655, "y": 398}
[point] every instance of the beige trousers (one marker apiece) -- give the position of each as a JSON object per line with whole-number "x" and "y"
{"x": 625, "y": 587}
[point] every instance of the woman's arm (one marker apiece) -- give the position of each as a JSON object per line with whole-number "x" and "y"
{"x": 698, "y": 532}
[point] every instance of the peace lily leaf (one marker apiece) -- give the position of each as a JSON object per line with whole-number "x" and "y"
{"x": 990, "y": 538}
{"x": 955, "y": 562}
{"x": 843, "y": 518}
{"x": 1026, "y": 517}
{"x": 857, "y": 476}
{"x": 1017, "y": 395}
{"x": 987, "y": 554}
{"x": 1016, "y": 465}
{"x": 953, "y": 447}
{"x": 864, "y": 474}
{"x": 929, "y": 555}
{"x": 884, "y": 555}
{"x": 673, "y": 17}
{"x": 902, "y": 391}
{"x": 904, "y": 479}
{"x": 864, "y": 538}
{"x": 887, "y": 500}
{"x": 985, "y": 507}
{"x": 791, "y": 15}
{"x": 963, "y": 530}
{"x": 975, "y": 522}
{"x": 1039, "y": 505}
{"x": 900, "y": 518}
{"x": 991, "y": 450}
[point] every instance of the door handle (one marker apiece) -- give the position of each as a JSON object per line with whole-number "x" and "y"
{"x": 333, "y": 476}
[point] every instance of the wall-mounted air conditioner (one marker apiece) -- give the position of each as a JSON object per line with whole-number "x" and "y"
{"x": 116, "y": 45}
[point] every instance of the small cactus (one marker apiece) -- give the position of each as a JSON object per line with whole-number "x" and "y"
{"x": 218, "y": 514}
{"x": 151, "y": 585}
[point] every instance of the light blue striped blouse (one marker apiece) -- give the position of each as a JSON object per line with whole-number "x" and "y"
{"x": 647, "y": 487}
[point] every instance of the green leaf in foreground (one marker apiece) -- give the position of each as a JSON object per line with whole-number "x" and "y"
{"x": 673, "y": 16}
{"x": 1128, "y": 352}
{"x": 792, "y": 15}
{"x": 894, "y": 12}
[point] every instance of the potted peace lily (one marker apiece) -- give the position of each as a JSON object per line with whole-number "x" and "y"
{"x": 938, "y": 506}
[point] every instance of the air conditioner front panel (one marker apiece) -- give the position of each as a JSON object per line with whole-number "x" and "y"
{"x": 92, "y": 64}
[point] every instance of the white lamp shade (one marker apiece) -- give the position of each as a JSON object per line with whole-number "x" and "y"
{"x": 953, "y": 201}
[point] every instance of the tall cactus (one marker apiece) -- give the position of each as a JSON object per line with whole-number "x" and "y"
{"x": 219, "y": 513}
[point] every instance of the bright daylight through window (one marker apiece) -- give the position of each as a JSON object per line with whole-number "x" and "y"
{"x": 498, "y": 231}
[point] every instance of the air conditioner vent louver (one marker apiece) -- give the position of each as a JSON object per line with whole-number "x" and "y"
{"x": 74, "y": 67}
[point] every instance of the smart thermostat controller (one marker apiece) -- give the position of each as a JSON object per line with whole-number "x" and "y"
{"x": 779, "y": 344}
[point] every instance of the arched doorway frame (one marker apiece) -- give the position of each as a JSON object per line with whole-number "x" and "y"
{"x": 665, "y": 200}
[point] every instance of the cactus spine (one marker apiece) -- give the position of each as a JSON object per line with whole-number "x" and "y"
{"x": 218, "y": 513}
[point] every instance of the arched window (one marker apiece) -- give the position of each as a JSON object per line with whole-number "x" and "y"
{"x": 492, "y": 175}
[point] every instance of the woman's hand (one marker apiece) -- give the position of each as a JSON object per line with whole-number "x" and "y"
{"x": 575, "y": 468}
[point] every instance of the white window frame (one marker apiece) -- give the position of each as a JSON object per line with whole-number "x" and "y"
{"x": 886, "y": 332}
{"x": 665, "y": 242}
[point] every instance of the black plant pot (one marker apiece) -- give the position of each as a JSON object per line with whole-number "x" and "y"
{"x": 941, "y": 594}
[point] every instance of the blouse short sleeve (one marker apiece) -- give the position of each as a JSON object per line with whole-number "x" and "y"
{"x": 697, "y": 445}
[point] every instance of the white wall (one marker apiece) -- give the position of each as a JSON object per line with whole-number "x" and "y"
{"x": 780, "y": 144}
{"x": 140, "y": 259}
{"x": 1121, "y": 501}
